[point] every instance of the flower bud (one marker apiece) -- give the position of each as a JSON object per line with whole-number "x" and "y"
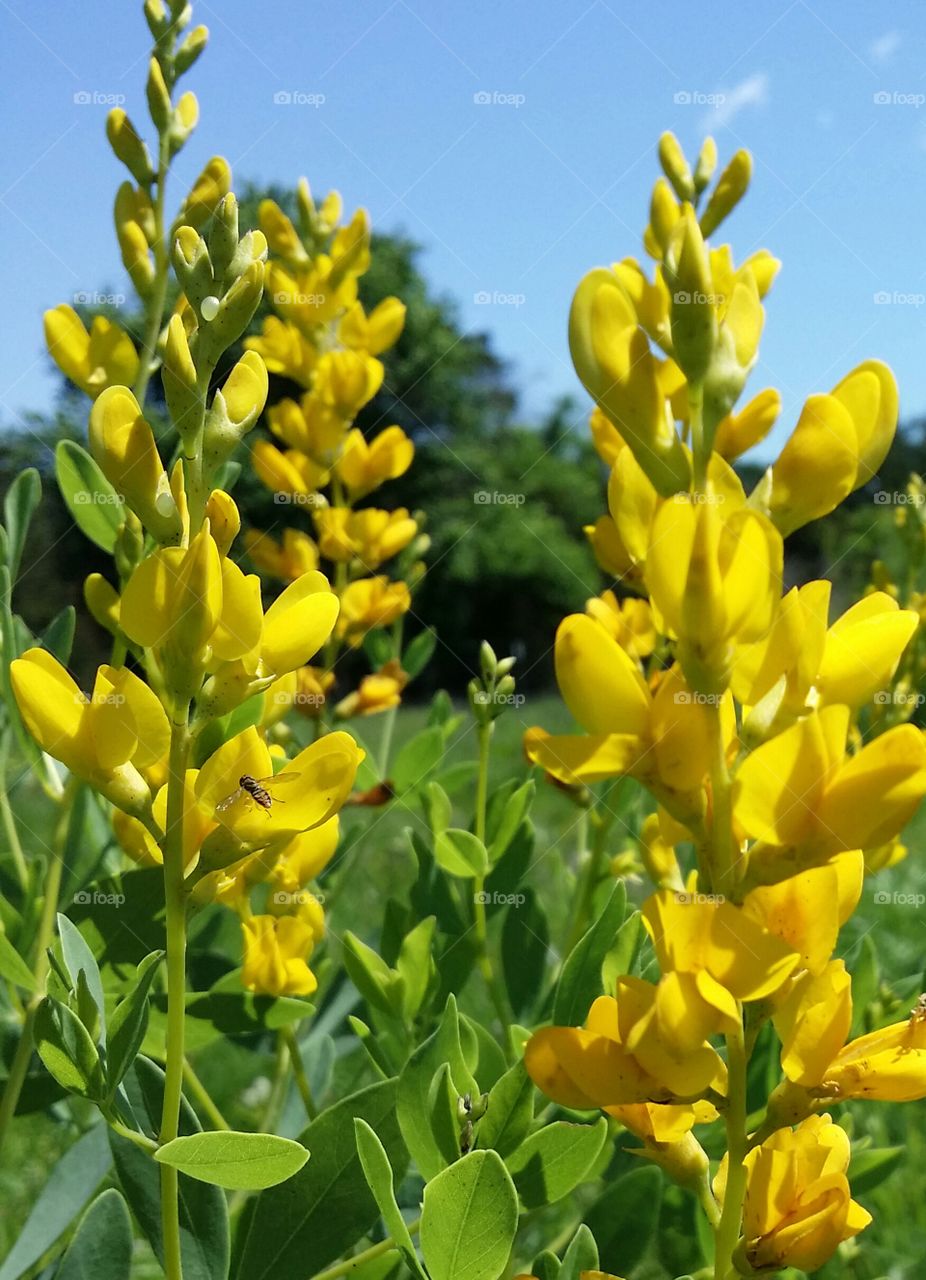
{"x": 223, "y": 236}
{"x": 693, "y": 315}
{"x": 224, "y": 519}
{"x": 158, "y": 97}
{"x": 675, "y": 166}
{"x": 190, "y": 50}
{"x": 730, "y": 189}
{"x": 183, "y": 121}
{"x": 193, "y": 265}
{"x": 209, "y": 188}
{"x": 128, "y": 146}
{"x": 178, "y": 375}
{"x": 123, "y": 446}
{"x": 663, "y": 213}
{"x": 234, "y": 313}
{"x": 235, "y": 409}
{"x": 707, "y": 163}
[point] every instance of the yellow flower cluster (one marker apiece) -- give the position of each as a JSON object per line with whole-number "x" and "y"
{"x": 322, "y": 339}
{"x": 736, "y": 706}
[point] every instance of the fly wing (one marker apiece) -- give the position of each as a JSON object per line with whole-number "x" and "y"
{"x": 277, "y": 777}
{"x": 228, "y": 801}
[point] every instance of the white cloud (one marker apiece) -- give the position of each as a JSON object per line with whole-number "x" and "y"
{"x": 752, "y": 92}
{"x": 884, "y": 48}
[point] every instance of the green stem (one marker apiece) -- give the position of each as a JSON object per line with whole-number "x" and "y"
{"x": 175, "y": 901}
{"x": 591, "y": 869}
{"x": 367, "y": 1255}
{"x": 299, "y": 1073}
{"x": 146, "y": 1144}
{"x": 730, "y": 1224}
{"x": 203, "y": 1097}
{"x": 723, "y": 869}
{"x": 480, "y": 919}
{"x": 12, "y": 832}
{"x": 154, "y": 304}
{"x": 700, "y": 455}
{"x": 20, "y": 1065}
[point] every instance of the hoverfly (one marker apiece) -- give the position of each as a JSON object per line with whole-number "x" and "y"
{"x": 258, "y": 790}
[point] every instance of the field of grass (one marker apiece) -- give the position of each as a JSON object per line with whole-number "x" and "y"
{"x": 379, "y": 866}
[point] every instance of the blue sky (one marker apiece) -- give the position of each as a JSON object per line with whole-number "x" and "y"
{"x": 514, "y": 197}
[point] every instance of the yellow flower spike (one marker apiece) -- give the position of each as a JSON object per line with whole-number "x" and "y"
{"x": 888, "y": 1065}
{"x": 739, "y": 432}
{"x": 873, "y": 409}
{"x": 612, "y": 357}
{"x": 347, "y": 380}
{"x": 288, "y": 559}
{"x": 94, "y": 361}
{"x": 224, "y": 519}
{"x": 204, "y": 197}
{"x": 282, "y": 237}
{"x": 798, "y": 1207}
{"x": 371, "y": 535}
{"x": 807, "y": 910}
{"x": 687, "y": 270}
{"x": 813, "y": 1021}
{"x": 275, "y": 956}
{"x": 288, "y": 473}
{"x": 376, "y": 332}
{"x": 664, "y": 213}
{"x": 284, "y": 350}
{"x": 350, "y": 250}
{"x": 364, "y": 465}
{"x": 123, "y": 445}
{"x": 103, "y": 739}
{"x": 730, "y": 189}
{"x": 629, "y": 622}
{"x": 863, "y": 648}
{"x": 128, "y": 146}
{"x": 370, "y": 603}
{"x": 298, "y": 623}
{"x": 722, "y": 940}
{"x": 377, "y": 692}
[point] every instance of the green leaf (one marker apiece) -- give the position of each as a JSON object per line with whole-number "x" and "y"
{"x": 101, "y": 1248}
{"x": 419, "y": 652}
{"x": 300, "y": 1227}
{"x": 236, "y": 1161}
{"x": 13, "y": 967}
{"x": 442, "y": 1114}
{"x": 437, "y": 807}
{"x": 414, "y": 1089}
{"x": 219, "y": 731}
{"x": 129, "y": 1022}
{"x": 22, "y": 498}
{"x": 866, "y": 979}
{"x": 379, "y": 647}
{"x": 460, "y": 853}
{"x": 525, "y": 946}
{"x": 378, "y": 1172}
{"x": 554, "y": 1160}
{"x": 510, "y": 1112}
{"x": 469, "y": 1219}
{"x": 415, "y": 965}
{"x": 88, "y": 495}
{"x": 620, "y": 958}
{"x": 58, "y": 636}
{"x": 624, "y": 1220}
{"x": 515, "y": 810}
{"x": 376, "y": 982}
{"x": 78, "y": 958}
{"x": 580, "y": 981}
{"x": 420, "y": 755}
{"x": 72, "y": 1182}
{"x": 64, "y": 1045}
{"x": 582, "y": 1255}
{"x": 868, "y": 1169}
{"x": 203, "y": 1210}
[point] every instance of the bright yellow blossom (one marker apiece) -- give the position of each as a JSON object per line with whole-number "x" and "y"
{"x": 104, "y": 357}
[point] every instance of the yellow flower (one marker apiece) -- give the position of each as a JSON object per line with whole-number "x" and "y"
{"x": 799, "y": 790}
{"x": 370, "y": 535}
{"x": 629, "y": 621}
{"x": 369, "y": 603}
{"x": 108, "y": 738}
{"x": 375, "y": 332}
{"x": 738, "y": 432}
{"x": 813, "y": 1021}
{"x": 308, "y": 297}
{"x": 104, "y": 357}
{"x": 606, "y": 438}
{"x": 377, "y": 692}
{"x": 123, "y": 445}
{"x": 364, "y": 465}
{"x": 798, "y": 1205}
{"x": 276, "y": 952}
{"x": 285, "y": 350}
{"x": 311, "y": 426}
{"x": 714, "y": 576}
{"x": 288, "y": 559}
{"x": 347, "y": 380}
{"x": 305, "y": 857}
{"x": 290, "y": 473}
{"x": 887, "y": 1065}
